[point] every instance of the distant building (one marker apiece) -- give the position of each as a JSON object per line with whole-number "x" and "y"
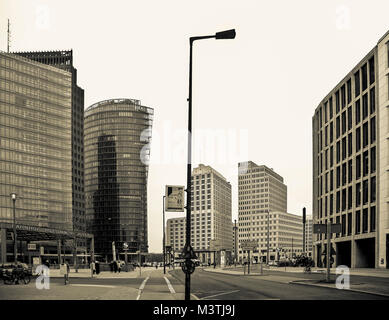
{"x": 117, "y": 136}
{"x": 261, "y": 190}
{"x": 175, "y": 234}
{"x": 350, "y": 163}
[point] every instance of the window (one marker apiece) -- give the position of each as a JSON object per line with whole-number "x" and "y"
{"x": 357, "y": 167}
{"x": 344, "y": 199}
{"x": 350, "y": 171}
{"x": 325, "y": 113}
{"x": 337, "y": 102}
{"x": 344, "y": 128}
{"x": 364, "y": 77}
{"x": 343, "y": 95}
{"x": 344, "y": 174}
{"x": 331, "y": 180}
{"x": 343, "y": 225}
{"x": 331, "y": 156}
{"x": 337, "y": 201}
{"x": 338, "y": 152}
{"x": 350, "y": 144}
{"x": 365, "y": 108}
{"x": 337, "y": 127}
{"x": 331, "y": 132}
{"x": 358, "y": 194}
{"x": 372, "y": 189}
{"x": 357, "y": 222}
{"x": 326, "y": 136}
{"x": 372, "y": 219}
{"x": 349, "y": 223}
{"x": 372, "y": 101}
{"x": 344, "y": 148}
{"x": 365, "y": 134}
{"x": 358, "y": 139}
{"x": 349, "y": 91}
{"x": 365, "y": 191}
{"x": 372, "y": 130}
{"x": 338, "y": 176}
{"x": 357, "y": 111}
{"x": 330, "y": 108}
{"x": 357, "y": 83}
{"x": 349, "y": 118}
{"x": 365, "y": 161}
{"x": 371, "y": 70}
{"x": 350, "y": 198}
{"x": 372, "y": 160}
{"x": 364, "y": 221}
{"x": 331, "y": 204}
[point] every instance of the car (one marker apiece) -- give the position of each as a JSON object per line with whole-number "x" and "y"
{"x": 272, "y": 263}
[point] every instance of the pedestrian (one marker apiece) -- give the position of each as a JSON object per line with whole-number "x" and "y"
{"x": 119, "y": 266}
{"x": 115, "y": 266}
{"x": 67, "y": 271}
{"x": 92, "y": 268}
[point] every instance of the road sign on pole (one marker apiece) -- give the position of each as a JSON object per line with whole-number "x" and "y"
{"x": 174, "y": 198}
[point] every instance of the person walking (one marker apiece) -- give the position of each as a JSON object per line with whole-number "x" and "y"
{"x": 119, "y": 266}
{"x": 67, "y": 271}
{"x": 115, "y": 266}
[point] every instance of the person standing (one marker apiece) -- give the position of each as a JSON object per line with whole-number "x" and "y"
{"x": 67, "y": 271}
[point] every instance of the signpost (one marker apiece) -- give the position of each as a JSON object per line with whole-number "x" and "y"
{"x": 249, "y": 245}
{"x": 174, "y": 198}
{"x": 329, "y": 229}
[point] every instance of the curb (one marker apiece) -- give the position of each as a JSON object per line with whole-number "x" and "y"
{"x": 301, "y": 283}
{"x": 234, "y": 274}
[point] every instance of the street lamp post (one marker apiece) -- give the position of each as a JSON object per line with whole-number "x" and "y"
{"x": 163, "y": 241}
{"x": 228, "y": 34}
{"x": 13, "y": 197}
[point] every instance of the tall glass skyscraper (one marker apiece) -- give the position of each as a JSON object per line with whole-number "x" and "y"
{"x": 35, "y": 143}
{"x": 117, "y": 136}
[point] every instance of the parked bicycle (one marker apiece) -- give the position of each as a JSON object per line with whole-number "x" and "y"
{"x": 18, "y": 274}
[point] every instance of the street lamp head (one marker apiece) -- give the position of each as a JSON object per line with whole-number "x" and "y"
{"x": 228, "y": 34}
{"x": 13, "y": 196}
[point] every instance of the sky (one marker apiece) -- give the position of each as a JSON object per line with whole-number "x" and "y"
{"x": 253, "y": 96}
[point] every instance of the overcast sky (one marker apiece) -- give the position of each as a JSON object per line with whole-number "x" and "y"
{"x": 255, "y": 95}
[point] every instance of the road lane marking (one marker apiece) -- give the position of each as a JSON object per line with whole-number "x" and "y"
{"x": 92, "y": 285}
{"x": 142, "y": 286}
{"x": 219, "y": 294}
{"x": 169, "y": 285}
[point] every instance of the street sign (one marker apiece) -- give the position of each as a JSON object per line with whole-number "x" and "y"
{"x": 188, "y": 252}
{"x": 249, "y": 244}
{"x": 31, "y": 246}
{"x": 174, "y": 198}
{"x": 322, "y": 228}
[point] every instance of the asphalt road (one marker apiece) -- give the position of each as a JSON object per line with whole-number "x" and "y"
{"x": 215, "y": 286}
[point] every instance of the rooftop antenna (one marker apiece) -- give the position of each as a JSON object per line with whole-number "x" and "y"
{"x": 8, "y": 37}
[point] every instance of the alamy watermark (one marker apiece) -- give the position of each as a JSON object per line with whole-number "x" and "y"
{"x": 43, "y": 279}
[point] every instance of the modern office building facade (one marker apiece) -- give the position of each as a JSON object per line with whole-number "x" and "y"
{"x": 117, "y": 137}
{"x": 350, "y": 163}
{"x": 64, "y": 60}
{"x": 35, "y": 143}
{"x": 260, "y": 190}
{"x": 211, "y": 212}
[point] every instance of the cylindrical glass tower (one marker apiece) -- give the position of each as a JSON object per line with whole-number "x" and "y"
{"x": 117, "y": 137}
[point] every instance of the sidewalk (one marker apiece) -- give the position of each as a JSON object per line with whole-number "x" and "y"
{"x": 365, "y": 272}
{"x": 86, "y": 273}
